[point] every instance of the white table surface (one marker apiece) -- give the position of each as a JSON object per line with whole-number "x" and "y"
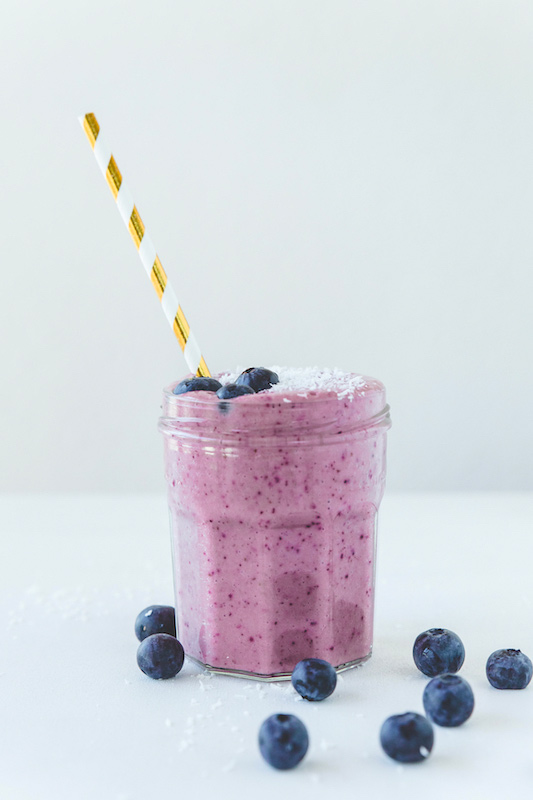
{"x": 79, "y": 720}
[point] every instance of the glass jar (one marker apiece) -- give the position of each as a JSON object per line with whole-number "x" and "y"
{"x": 273, "y": 501}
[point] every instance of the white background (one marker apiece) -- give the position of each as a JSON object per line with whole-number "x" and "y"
{"x": 335, "y": 183}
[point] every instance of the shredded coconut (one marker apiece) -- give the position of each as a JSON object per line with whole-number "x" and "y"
{"x": 302, "y": 380}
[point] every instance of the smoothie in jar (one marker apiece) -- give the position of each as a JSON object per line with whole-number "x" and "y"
{"x": 273, "y": 498}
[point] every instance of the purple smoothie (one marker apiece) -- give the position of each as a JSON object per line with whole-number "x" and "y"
{"x": 273, "y": 500}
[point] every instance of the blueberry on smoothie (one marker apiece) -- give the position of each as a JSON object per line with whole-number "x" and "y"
{"x": 155, "y": 619}
{"x": 509, "y": 669}
{"x": 160, "y": 656}
{"x": 438, "y": 650}
{"x": 197, "y": 384}
{"x": 231, "y": 390}
{"x": 448, "y": 700}
{"x": 407, "y": 737}
{"x": 283, "y": 740}
{"x": 314, "y": 679}
{"x": 258, "y": 378}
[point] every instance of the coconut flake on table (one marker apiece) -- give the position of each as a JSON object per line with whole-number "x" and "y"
{"x": 301, "y": 380}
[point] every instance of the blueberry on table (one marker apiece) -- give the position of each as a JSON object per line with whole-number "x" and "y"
{"x": 231, "y": 390}
{"x": 197, "y": 385}
{"x": 283, "y": 740}
{"x": 258, "y": 378}
{"x": 155, "y": 619}
{"x": 437, "y": 651}
{"x": 160, "y": 656}
{"x": 509, "y": 669}
{"x": 448, "y": 700}
{"x": 407, "y": 737}
{"x": 314, "y": 679}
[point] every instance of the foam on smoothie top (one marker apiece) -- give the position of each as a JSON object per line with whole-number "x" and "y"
{"x": 304, "y": 380}
{"x": 322, "y": 401}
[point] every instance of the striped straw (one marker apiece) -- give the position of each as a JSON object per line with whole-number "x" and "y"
{"x": 143, "y": 243}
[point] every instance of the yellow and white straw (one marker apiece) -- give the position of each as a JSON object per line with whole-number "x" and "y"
{"x": 145, "y": 247}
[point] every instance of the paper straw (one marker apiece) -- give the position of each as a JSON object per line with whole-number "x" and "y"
{"x": 128, "y": 211}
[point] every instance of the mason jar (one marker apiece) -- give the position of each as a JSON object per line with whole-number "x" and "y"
{"x": 273, "y": 501}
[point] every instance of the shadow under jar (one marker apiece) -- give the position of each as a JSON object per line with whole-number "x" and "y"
{"x": 273, "y": 501}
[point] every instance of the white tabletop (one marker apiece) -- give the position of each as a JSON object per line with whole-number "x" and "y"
{"x": 79, "y": 720}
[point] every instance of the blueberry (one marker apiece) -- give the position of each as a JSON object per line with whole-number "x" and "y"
{"x": 197, "y": 385}
{"x": 155, "y": 619}
{"x": 438, "y": 650}
{"x": 283, "y": 740}
{"x": 231, "y": 390}
{"x": 509, "y": 669}
{"x": 258, "y": 378}
{"x": 448, "y": 700}
{"x": 314, "y": 678}
{"x": 160, "y": 656}
{"x": 407, "y": 737}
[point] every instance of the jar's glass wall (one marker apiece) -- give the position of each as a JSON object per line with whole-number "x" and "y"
{"x": 273, "y": 544}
